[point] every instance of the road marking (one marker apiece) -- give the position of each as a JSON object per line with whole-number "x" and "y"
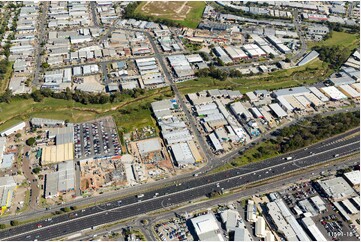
{"x": 193, "y": 188}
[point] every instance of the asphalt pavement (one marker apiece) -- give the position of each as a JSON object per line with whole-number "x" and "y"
{"x": 185, "y": 191}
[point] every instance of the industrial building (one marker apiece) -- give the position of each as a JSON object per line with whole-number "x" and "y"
{"x": 285, "y": 222}
{"x": 41, "y": 122}
{"x": 349, "y": 91}
{"x": 206, "y": 228}
{"x": 260, "y": 227}
{"x": 308, "y": 58}
{"x": 352, "y": 177}
{"x": 182, "y": 154}
{"x": 336, "y": 188}
{"x": 278, "y": 44}
{"x": 57, "y": 153}
{"x": 235, "y": 53}
{"x": 219, "y": 52}
{"x": 277, "y": 110}
{"x": 215, "y": 142}
{"x": 180, "y": 65}
{"x": 333, "y": 93}
{"x": 251, "y": 211}
{"x": 240, "y": 111}
{"x": 313, "y": 229}
{"x": 13, "y": 129}
{"x": 63, "y": 180}
{"x": 7, "y": 187}
{"x": 2, "y": 147}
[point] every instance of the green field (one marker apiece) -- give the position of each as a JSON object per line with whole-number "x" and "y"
{"x": 137, "y": 113}
{"x": 188, "y": 14}
{"x": 349, "y": 41}
{"x": 314, "y": 71}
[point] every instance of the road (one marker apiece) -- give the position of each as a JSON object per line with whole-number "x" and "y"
{"x": 32, "y": 180}
{"x": 93, "y": 9}
{"x": 42, "y": 36}
{"x": 297, "y": 20}
{"x": 185, "y": 191}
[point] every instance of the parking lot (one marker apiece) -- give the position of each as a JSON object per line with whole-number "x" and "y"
{"x": 174, "y": 230}
{"x": 97, "y": 138}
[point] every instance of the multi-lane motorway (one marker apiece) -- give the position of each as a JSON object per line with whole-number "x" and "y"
{"x": 183, "y": 192}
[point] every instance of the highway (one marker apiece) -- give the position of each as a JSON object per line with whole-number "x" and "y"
{"x": 185, "y": 191}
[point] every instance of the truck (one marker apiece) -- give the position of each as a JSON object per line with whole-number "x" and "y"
{"x": 288, "y": 158}
{"x": 140, "y": 195}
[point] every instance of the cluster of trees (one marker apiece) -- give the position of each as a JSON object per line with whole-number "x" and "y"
{"x": 219, "y": 74}
{"x": 300, "y": 135}
{"x": 334, "y": 55}
{"x": 77, "y": 96}
{"x": 130, "y": 13}
{"x": 315, "y": 129}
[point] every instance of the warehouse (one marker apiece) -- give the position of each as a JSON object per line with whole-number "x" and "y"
{"x": 251, "y": 211}
{"x": 260, "y": 227}
{"x": 353, "y": 178}
{"x": 318, "y": 203}
{"x": 356, "y": 86}
{"x": 148, "y": 146}
{"x": 215, "y": 142}
{"x": 180, "y": 66}
{"x": 344, "y": 80}
{"x": 7, "y": 187}
{"x": 256, "y": 113}
{"x": 291, "y": 91}
{"x": 313, "y": 229}
{"x": 349, "y": 207}
{"x": 7, "y": 161}
{"x": 333, "y": 93}
{"x": 253, "y": 50}
{"x": 41, "y": 122}
{"x": 278, "y": 218}
{"x": 319, "y": 94}
{"x": 269, "y": 50}
{"x": 63, "y": 180}
{"x": 194, "y": 58}
{"x": 277, "y": 110}
{"x": 57, "y": 153}
{"x": 308, "y": 58}
{"x": 162, "y": 105}
{"x": 336, "y": 188}
{"x": 182, "y": 154}
{"x": 285, "y": 221}
{"x": 177, "y": 136}
{"x": 304, "y": 101}
{"x": 240, "y": 111}
{"x": 294, "y": 103}
{"x": 13, "y": 129}
{"x": 206, "y": 228}
{"x": 284, "y": 104}
{"x": 235, "y": 53}
{"x": 2, "y": 147}
{"x": 222, "y": 55}
{"x": 349, "y": 91}
{"x": 315, "y": 102}
{"x": 258, "y": 40}
{"x": 278, "y": 44}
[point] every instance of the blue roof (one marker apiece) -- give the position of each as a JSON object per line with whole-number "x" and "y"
{"x": 121, "y": 64}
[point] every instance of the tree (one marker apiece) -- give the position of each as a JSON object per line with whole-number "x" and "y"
{"x": 14, "y": 223}
{"x": 17, "y": 135}
{"x": 36, "y": 170}
{"x": 287, "y": 60}
{"x": 37, "y": 96}
{"x": 2, "y": 226}
{"x": 31, "y": 141}
{"x": 73, "y": 207}
{"x": 66, "y": 209}
{"x": 45, "y": 65}
{"x": 271, "y": 55}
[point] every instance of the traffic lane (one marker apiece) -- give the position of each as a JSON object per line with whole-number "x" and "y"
{"x": 186, "y": 195}
{"x": 167, "y": 190}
